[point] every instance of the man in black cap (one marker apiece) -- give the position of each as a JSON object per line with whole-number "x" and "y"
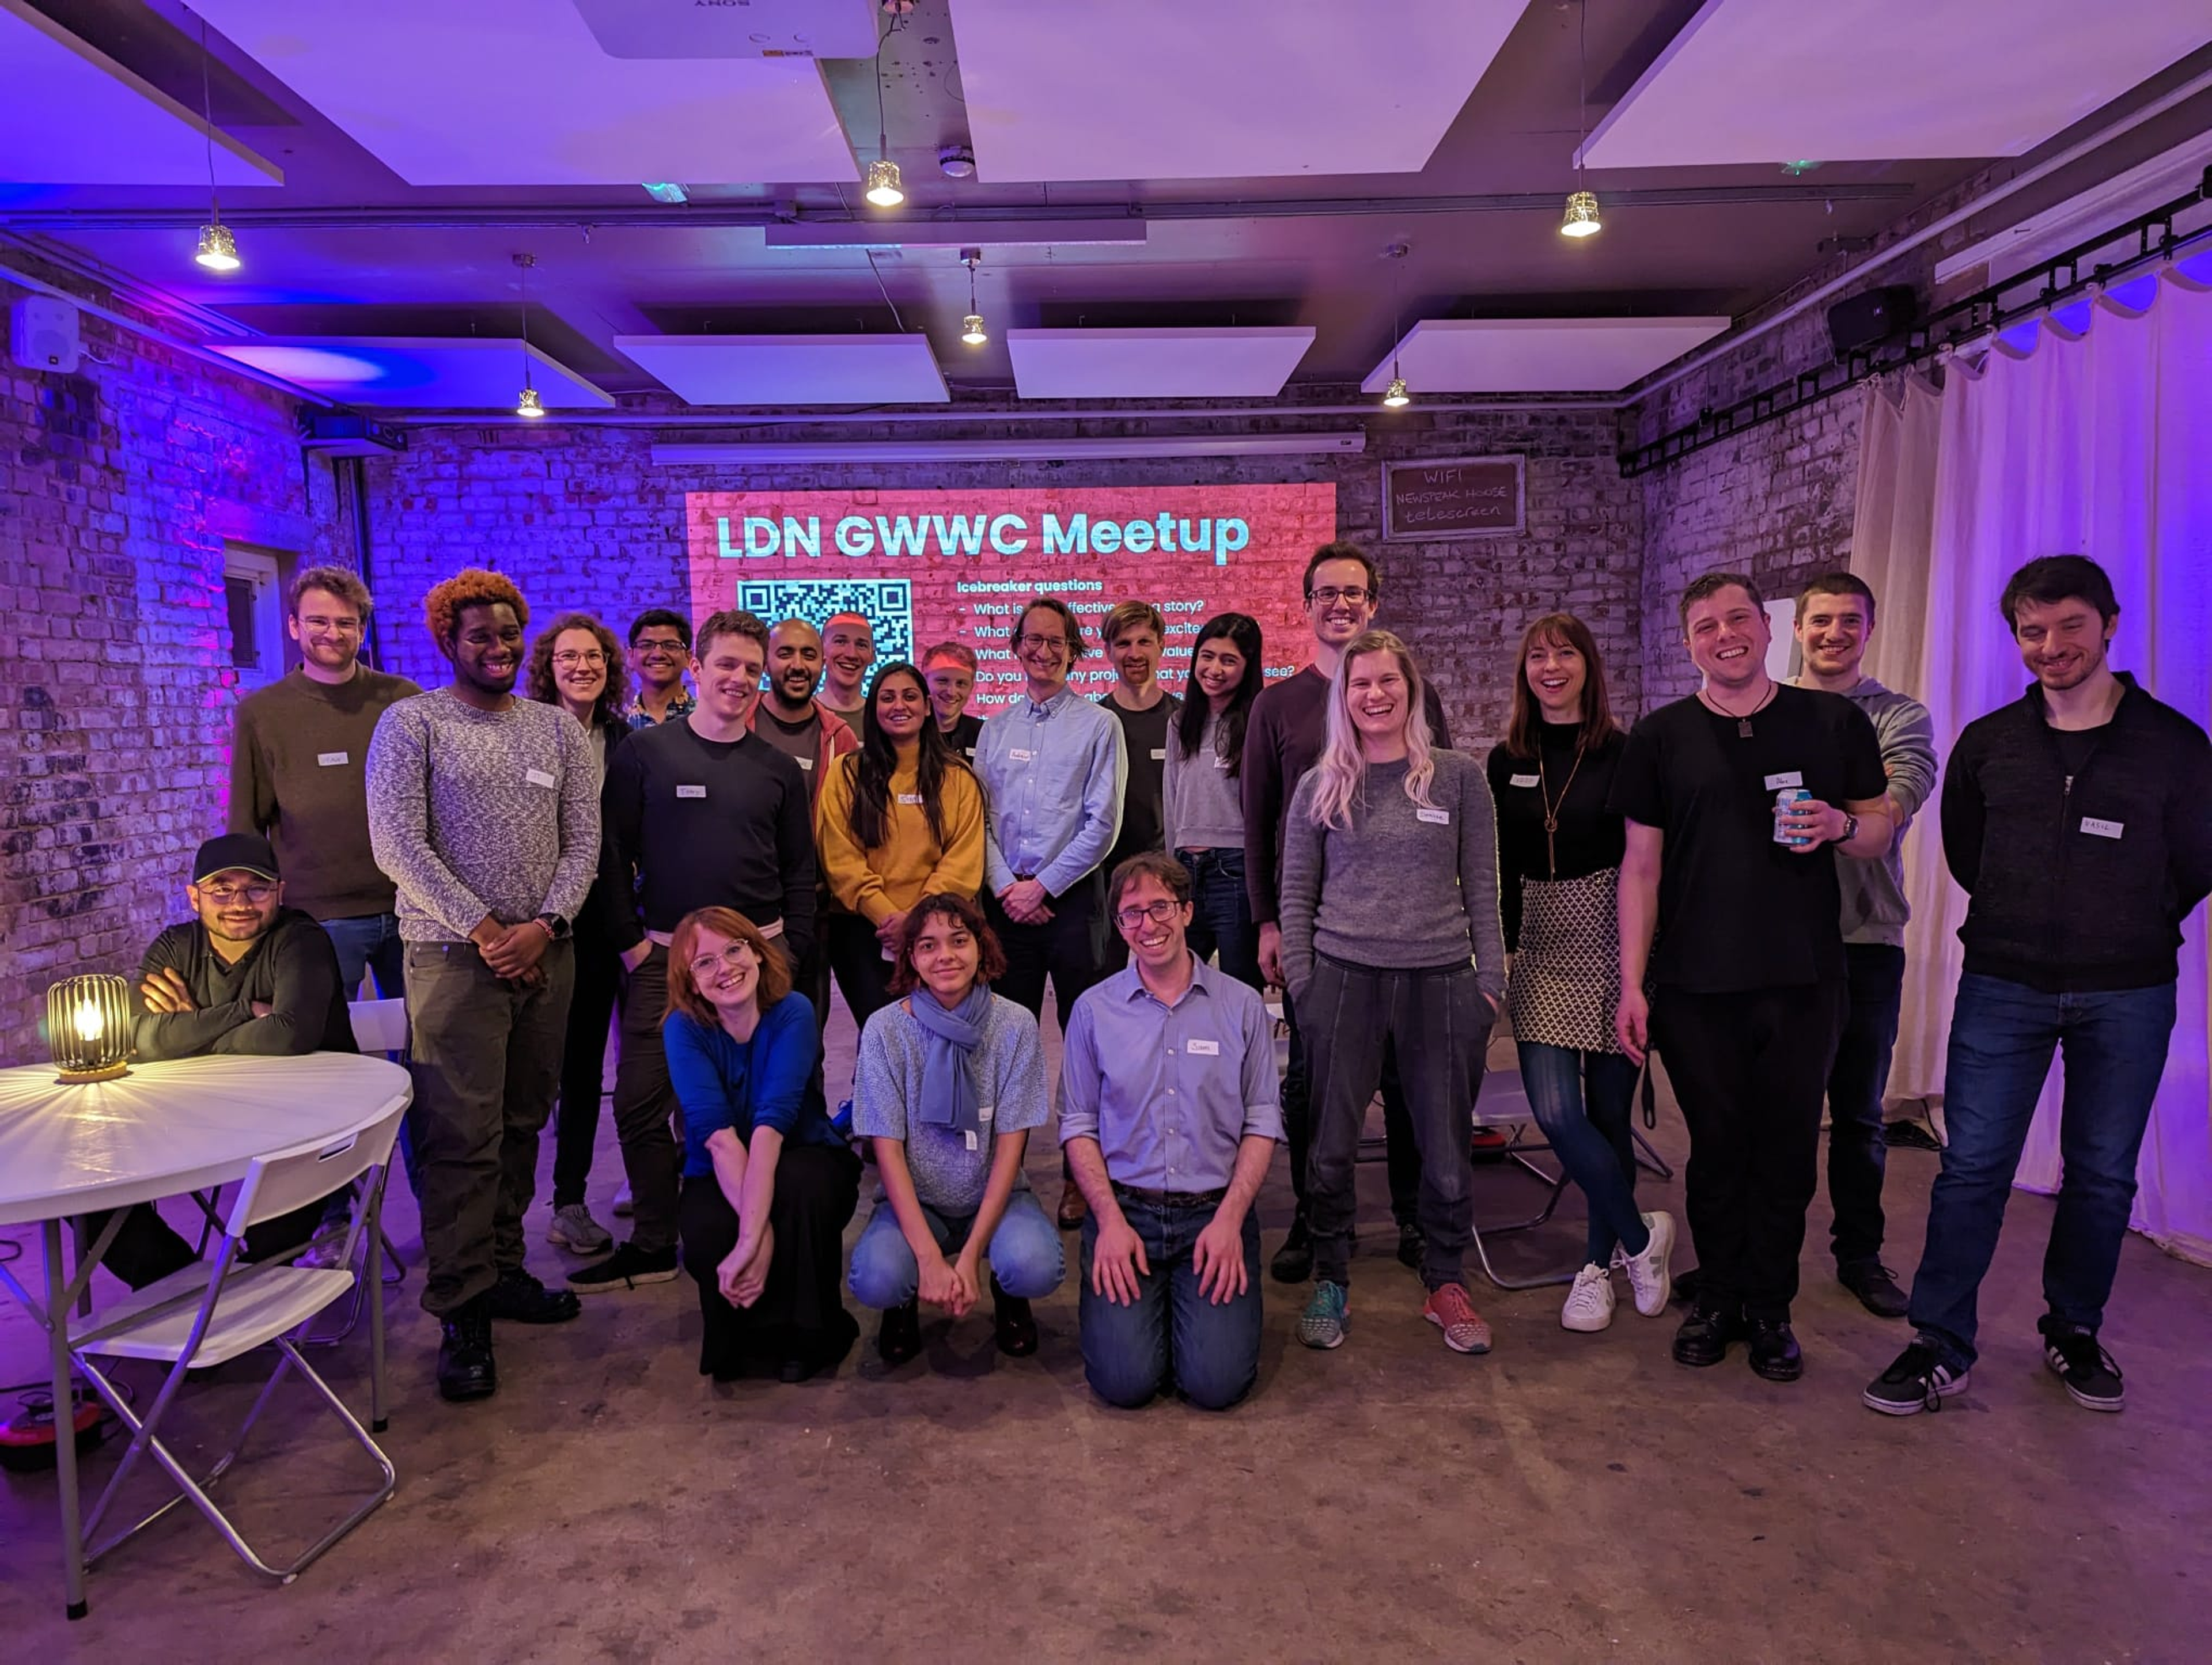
{"x": 249, "y": 975}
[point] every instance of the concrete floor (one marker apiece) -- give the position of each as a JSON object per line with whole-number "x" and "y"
{"x": 1567, "y": 1498}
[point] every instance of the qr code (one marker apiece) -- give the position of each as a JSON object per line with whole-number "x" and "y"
{"x": 886, "y": 603}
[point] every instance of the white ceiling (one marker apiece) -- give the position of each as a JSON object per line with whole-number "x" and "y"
{"x": 1762, "y": 81}
{"x": 1539, "y": 356}
{"x": 70, "y": 115}
{"x": 415, "y": 373}
{"x": 519, "y": 93}
{"x": 1191, "y": 89}
{"x": 1156, "y": 364}
{"x": 792, "y": 369}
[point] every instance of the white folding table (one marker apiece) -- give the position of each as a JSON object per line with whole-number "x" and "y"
{"x": 165, "y": 1129}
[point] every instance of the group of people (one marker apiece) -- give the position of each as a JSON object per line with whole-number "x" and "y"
{"x": 566, "y": 832}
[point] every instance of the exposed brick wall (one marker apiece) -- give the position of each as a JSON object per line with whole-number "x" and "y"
{"x": 118, "y": 487}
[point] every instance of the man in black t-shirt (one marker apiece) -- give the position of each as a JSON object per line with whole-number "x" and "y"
{"x": 1748, "y": 999}
{"x": 1134, "y": 634}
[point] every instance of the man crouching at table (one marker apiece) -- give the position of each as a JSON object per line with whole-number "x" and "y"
{"x": 249, "y": 975}
{"x": 1169, "y": 1117}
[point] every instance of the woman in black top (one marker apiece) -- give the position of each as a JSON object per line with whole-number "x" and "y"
{"x": 1559, "y": 858}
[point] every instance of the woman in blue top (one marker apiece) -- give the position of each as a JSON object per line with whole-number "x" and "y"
{"x": 769, "y": 1186}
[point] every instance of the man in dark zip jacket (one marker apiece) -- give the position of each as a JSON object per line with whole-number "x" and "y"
{"x": 2078, "y": 819}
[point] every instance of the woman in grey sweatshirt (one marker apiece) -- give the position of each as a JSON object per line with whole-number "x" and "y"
{"x": 1390, "y": 934}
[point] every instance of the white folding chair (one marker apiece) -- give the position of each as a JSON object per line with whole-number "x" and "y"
{"x": 378, "y": 1026}
{"x": 209, "y": 1313}
{"x": 1503, "y": 1102}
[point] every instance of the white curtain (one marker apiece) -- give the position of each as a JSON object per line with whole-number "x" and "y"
{"x": 2089, "y": 434}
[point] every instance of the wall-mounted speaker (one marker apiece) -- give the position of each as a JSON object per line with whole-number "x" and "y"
{"x": 1876, "y": 315}
{"x": 42, "y": 334}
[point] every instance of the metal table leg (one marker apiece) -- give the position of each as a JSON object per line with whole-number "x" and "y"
{"x": 372, "y": 1269}
{"x": 57, "y": 1318}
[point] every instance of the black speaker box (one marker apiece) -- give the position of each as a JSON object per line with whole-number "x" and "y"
{"x": 1876, "y": 315}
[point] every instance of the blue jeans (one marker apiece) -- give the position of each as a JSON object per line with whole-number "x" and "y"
{"x": 1025, "y": 1255}
{"x": 1221, "y": 913}
{"x": 1582, "y": 1101}
{"x": 1172, "y": 1336}
{"x": 369, "y": 942}
{"x": 2002, "y": 1036}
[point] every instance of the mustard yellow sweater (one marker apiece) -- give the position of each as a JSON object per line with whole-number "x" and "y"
{"x": 910, "y": 864}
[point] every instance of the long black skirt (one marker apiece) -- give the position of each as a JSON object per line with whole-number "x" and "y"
{"x": 801, "y": 1313}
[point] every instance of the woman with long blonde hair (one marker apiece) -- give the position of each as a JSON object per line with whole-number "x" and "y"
{"x": 1390, "y": 934}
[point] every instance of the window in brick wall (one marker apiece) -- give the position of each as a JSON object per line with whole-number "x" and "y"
{"x": 253, "y": 600}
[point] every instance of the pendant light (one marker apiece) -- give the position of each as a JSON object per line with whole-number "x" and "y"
{"x": 1395, "y": 397}
{"x": 971, "y": 327}
{"x": 884, "y": 188}
{"x": 527, "y": 404}
{"x": 218, "y": 249}
{"x": 1581, "y": 219}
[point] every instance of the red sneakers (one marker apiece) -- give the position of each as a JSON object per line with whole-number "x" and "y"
{"x": 1451, "y": 1310}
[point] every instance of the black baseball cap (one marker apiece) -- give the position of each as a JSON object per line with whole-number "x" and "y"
{"x": 245, "y": 851}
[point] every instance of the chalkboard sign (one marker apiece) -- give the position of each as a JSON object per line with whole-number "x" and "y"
{"x": 1453, "y": 497}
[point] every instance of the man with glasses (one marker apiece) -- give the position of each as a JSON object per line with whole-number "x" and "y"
{"x": 1051, "y": 765}
{"x": 299, "y": 758}
{"x": 1283, "y": 739}
{"x": 659, "y": 648}
{"x": 1168, "y": 1119}
{"x": 700, "y": 813}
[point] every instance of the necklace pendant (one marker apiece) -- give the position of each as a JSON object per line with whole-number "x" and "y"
{"x": 1743, "y": 728}
{"x": 1551, "y": 823}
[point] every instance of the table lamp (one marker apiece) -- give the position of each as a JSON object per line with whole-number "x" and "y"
{"x": 88, "y": 1028}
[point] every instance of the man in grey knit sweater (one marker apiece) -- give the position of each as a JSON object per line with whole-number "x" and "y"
{"x": 484, "y": 810}
{"x": 1835, "y": 621}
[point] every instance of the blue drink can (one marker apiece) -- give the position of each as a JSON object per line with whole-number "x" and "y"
{"x": 1782, "y": 800}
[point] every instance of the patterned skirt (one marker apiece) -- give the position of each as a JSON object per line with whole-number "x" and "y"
{"x": 1565, "y": 983}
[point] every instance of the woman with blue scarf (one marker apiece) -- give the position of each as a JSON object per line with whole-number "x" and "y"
{"x": 950, "y": 1079}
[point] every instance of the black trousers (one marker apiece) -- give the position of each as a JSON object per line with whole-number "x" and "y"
{"x": 1750, "y": 1070}
{"x": 583, "y": 1068}
{"x": 801, "y": 1311}
{"x": 864, "y": 975}
{"x": 147, "y": 1249}
{"x": 1858, "y": 1147}
{"x": 1069, "y": 949}
{"x": 1401, "y": 1152}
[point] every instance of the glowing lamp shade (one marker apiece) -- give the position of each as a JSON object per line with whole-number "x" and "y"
{"x": 1396, "y": 397}
{"x": 88, "y": 1028}
{"x": 218, "y": 249}
{"x": 884, "y": 188}
{"x": 1581, "y": 219}
{"x": 528, "y": 404}
{"x": 971, "y": 330}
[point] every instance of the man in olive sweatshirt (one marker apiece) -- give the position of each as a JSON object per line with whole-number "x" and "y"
{"x": 298, "y": 776}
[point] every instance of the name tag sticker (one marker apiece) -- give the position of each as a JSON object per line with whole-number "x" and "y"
{"x": 1434, "y": 818}
{"x": 1223, "y": 763}
{"x": 1202, "y": 1048}
{"x": 538, "y": 777}
{"x": 983, "y": 1112}
{"x": 1523, "y": 781}
{"x": 806, "y": 763}
{"x": 332, "y": 759}
{"x": 1018, "y": 755}
{"x": 970, "y": 1137}
{"x": 910, "y": 797}
{"x": 2102, "y": 829}
{"x": 1159, "y": 754}
{"x": 1787, "y": 778}
{"x": 690, "y": 792}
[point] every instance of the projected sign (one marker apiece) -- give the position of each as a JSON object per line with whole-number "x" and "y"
{"x": 933, "y": 566}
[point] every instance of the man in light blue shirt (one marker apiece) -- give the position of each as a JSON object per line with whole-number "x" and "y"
{"x": 1168, "y": 1118}
{"x": 1053, "y": 767}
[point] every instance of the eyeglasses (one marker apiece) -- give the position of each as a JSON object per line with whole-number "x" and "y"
{"x": 1328, "y": 595}
{"x": 707, "y": 964}
{"x": 568, "y": 660}
{"x": 1159, "y": 912}
{"x": 224, "y": 895}
{"x": 658, "y": 645}
{"x": 1030, "y": 640}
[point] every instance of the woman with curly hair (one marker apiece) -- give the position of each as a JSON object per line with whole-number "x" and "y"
{"x": 576, "y": 663}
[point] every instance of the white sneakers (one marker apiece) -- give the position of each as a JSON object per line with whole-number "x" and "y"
{"x": 1589, "y": 1304}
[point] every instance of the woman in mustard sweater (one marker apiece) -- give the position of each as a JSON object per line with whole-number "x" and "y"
{"x": 899, "y": 819}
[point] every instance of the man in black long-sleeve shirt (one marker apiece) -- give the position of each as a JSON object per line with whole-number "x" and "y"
{"x": 699, "y": 813}
{"x": 248, "y": 976}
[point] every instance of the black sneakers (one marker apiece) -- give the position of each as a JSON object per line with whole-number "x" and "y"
{"x": 1412, "y": 1246}
{"x": 2075, "y": 1358}
{"x": 899, "y": 1339}
{"x": 1875, "y": 1286}
{"x": 520, "y": 1298}
{"x": 1919, "y": 1381}
{"x": 626, "y": 1268}
{"x": 466, "y": 1367}
{"x": 1013, "y": 1324}
{"x": 1293, "y": 1261}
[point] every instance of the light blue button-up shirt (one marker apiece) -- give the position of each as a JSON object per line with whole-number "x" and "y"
{"x": 1052, "y": 775}
{"x": 1169, "y": 1091}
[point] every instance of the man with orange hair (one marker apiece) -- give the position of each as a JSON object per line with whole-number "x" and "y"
{"x": 483, "y": 809}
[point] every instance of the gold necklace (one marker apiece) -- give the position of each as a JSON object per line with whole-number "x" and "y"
{"x": 1552, "y": 809}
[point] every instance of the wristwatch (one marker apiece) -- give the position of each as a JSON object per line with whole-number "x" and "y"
{"x": 1850, "y": 827}
{"x": 557, "y": 928}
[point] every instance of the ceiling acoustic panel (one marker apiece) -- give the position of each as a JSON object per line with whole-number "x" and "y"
{"x": 1155, "y": 364}
{"x": 1755, "y": 81}
{"x": 417, "y": 373}
{"x": 519, "y": 93}
{"x": 1170, "y": 90}
{"x": 1539, "y": 356}
{"x": 792, "y": 369}
{"x": 71, "y": 115}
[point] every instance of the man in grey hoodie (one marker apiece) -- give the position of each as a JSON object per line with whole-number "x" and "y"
{"x": 1835, "y": 621}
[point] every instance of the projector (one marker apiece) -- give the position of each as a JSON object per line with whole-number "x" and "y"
{"x": 348, "y": 433}
{"x": 732, "y": 28}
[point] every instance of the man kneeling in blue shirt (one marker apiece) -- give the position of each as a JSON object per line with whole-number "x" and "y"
{"x": 1169, "y": 1117}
